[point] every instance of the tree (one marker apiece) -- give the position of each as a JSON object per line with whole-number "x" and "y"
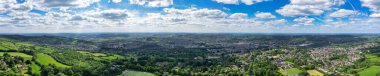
{"x": 47, "y": 70}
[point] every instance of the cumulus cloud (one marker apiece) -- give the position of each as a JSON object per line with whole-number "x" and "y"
{"x": 246, "y": 2}
{"x": 307, "y": 7}
{"x": 374, "y": 6}
{"x": 377, "y": 15}
{"x": 111, "y": 14}
{"x": 264, "y": 15}
{"x": 63, "y": 3}
{"x": 277, "y": 22}
{"x": 119, "y": 20}
{"x": 19, "y": 19}
{"x": 228, "y": 1}
{"x": 250, "y": 2}
{"x": 197, "y": 13}
{"x": 304, "y": 20}
{"x": 342, "y": 13}
{"x": 238, "y": 15}
{"x": 8, "y": 6}
{"x": 116, "y": 1}
{"x": 152, "y": 3}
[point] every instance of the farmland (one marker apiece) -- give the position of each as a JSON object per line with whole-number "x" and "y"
{"x": 46, "y": 60}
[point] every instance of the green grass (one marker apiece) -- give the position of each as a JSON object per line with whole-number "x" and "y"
{"x": 94, "y": 54}
{"x": 6, "y": 44}
{"x": 137, "y": 73}
{"x": 84, "y": 52}
{"x": 289, "y": 72}
{"x": 46, "y": 60}
{"x": 99, "y": 54}
{"x": 113, "y": 57}
{"x": 371, "y": 71}
{"x": 35, "y": 68}
{"x": 314, "y": 73}
{"x": 27, "y": 57}
{"x": 372, "y": 58}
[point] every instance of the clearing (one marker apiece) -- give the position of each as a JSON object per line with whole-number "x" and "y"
{"x": 136, "y": 73}
{"x": 314, "y": 73}
{"x": 290, "y": 71}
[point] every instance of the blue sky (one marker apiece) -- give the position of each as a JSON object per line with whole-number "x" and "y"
{"x": 196, "y": 16}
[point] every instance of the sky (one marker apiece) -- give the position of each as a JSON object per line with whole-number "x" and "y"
{"x": 190, "y": 16}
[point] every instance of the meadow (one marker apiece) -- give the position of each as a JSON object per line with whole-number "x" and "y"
{"x": 45, "y": 59}
{"x": 314, "y": 73}
{"x": 136, "y": 73}
{"x": 27, "y": 57}
{"x": 371, "y": 71}
{"x": 290, "y": 71}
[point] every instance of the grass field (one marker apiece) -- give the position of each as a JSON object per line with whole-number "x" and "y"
{"x": 94, "y": 54}
{"x": 46, "y": 60}
{"x": 84, "y": 52}
{"x": 27, "y": 57}
{"x": 99, "y": 54}
{"x": 113, "y": 57}
{"x": 372, "y": 58}
{"x": 35, "y": 68}
{"x": 371, "y": 71}
{"x": 137, "y": 73}
{"x": 6, "y": 44}
{"x": 314, "y": 73}
{"x": 289, "y": 72}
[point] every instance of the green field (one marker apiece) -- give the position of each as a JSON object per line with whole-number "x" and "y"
{"x": 27, "y": 57}
{"x": 289, "y": 72}
{"x": 35, "y": 68}
{"x": 99, "y": 54}
{"x": 137, "y": 73}
{"x": 94, "y": 54}
{"x": 46, "y": 60}
{"x": 314, "y": 73}
{"x": 372, "y": 58}
{"x": 371, "y": 71}
{"x": 6, "y": 44}
{"x": 113, "y": 57}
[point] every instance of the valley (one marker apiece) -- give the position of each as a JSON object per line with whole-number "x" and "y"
{"x": 189, "y": 55}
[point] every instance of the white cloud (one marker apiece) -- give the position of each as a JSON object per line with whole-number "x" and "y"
{"x": 238, "y": 16}
{"x": 118, "y": 20}
{"x": 11, "y": 6}
{"x": 152, "y": 3}
{"x": 304, "y": 20}
{"x": 375, "y": 15}
{"x": 63, "y": 3}
{"x": 116, "y": 1}
{"x": 109, "y": 15}
{"x": 342, "y": 13}
{"x": 246, "y": 2}
{"x": 276, "y": 22}
{"x": 307, "y": 7}
{"x": 228, "y": 1}
{"x": 374, "y": 6}
{"x": 250, "y": 2}
{"x": 264, "y": 15}
{"x": 197, "y": 13}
